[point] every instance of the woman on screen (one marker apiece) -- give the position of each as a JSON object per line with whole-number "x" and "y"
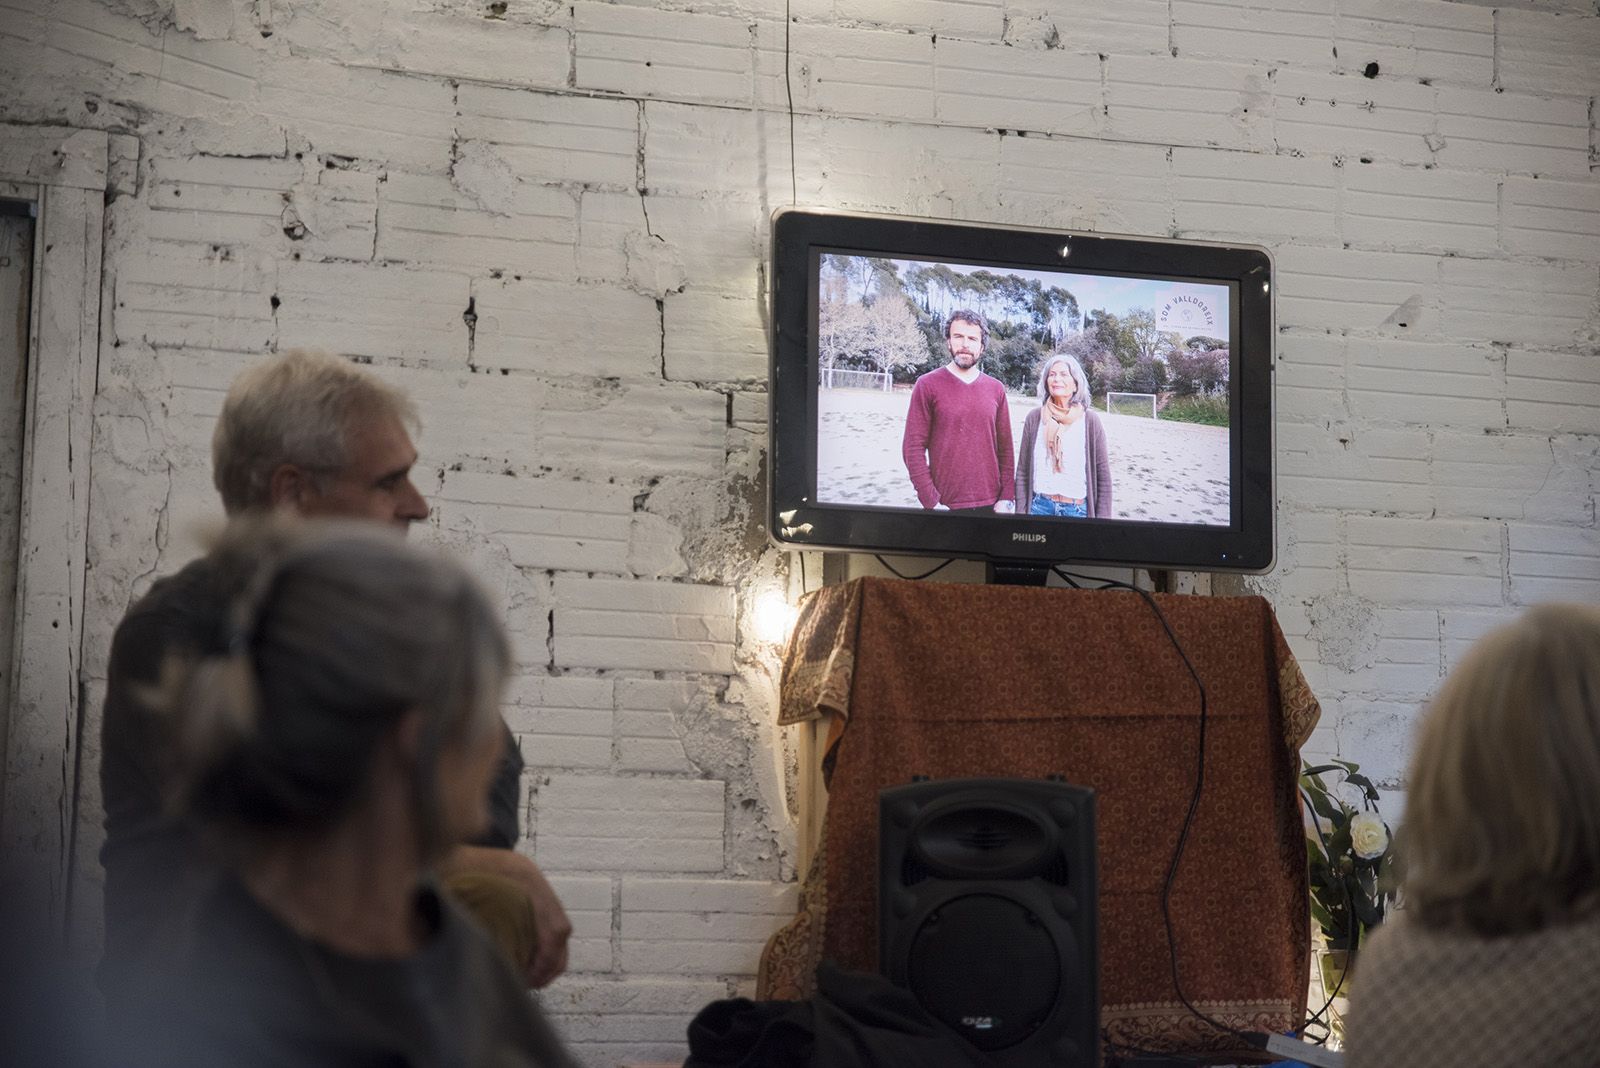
{"x": 1063, "y": 468}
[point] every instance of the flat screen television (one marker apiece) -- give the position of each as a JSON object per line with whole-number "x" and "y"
{"x": 927, "y": 374}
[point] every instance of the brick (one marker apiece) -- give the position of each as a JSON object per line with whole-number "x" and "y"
{"x": 996, "y": 86}
{"x": 1114, "y": 188}
{"x": 1403, "y": 659}
{"x": 881, "y": 75}
{"x": 946, "y": 165}
{"x": 670, "y": 54}
{"x": 609, "y": 226}
{"x": 1462, "y": 627}
{"x": 1433, "y": 562}
{"x": 1553, "y": 391}
{"x": 568, "y": 425}
{"x": 1188, "y": 102}
{"x": 528, "y": 325}
{"x": 1296, "y": 32}
{"x": 1411, "y": 208}
{"x": 628, "y": 1020}
{"x": 1078, "y": 26}
{"x": 602, "y": 823}
{"x": 194, "y": 295}
{"x": 1310, "y": 549}
{"x": 1349, "y": 290}
{"x": 1516, "y": 302}
{"x": 588, "y": 904}
{"x": 384, "y": 117}
{"x": 700, "y": 926}
{"x": 1368, "y": 470}
{"x": 1552, "y": 563}
{"x": 503, "y": 51}
{"x": 1264, "y": 196}
{"x": 1424, "y": 382}
{"x": 1378, "y": 735}
{"x": 697, "y": 151}
{"x": 371, "y": 310}
{"x": 1513, "y": 132}
{"x": 652, "y": 626}
{"x": 1431, "y": 39}
{"x": 1552, "y": 218}
{"x": 218, "y": 200}
{"x": 1503, "y": 476}
{"x": 545, "y": 523}
{"x": 719, "y": 243}
{"x": 339, "y": 212}
{"x": 647, "y": 724}
{"x": 982, "y": 19}
{"x": 714, "y": 338}
{"x": 1550, "y": 53}
{"x": 1324, "y": 114}
{"x": 427, "y": 220}
{"x": 555, "y": 138}
{"x": 750, "y": 410}
{"x": 562, "y": 721}
{"x": 1310, "y": 377}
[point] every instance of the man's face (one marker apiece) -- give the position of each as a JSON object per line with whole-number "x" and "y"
{"x": 966, "y": 343}
{"x": 375, "y": 483}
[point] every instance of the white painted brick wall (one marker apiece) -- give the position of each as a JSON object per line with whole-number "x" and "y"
{"x": 598, "y": 823}
{"x": 700, "y": 926}
{"x": 1433, "y": 39}
{"x": 659, "y": 626}
{"x": 596, "y": 180}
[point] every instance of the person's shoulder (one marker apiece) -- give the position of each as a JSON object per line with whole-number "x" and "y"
{"x": 179, "y": 607}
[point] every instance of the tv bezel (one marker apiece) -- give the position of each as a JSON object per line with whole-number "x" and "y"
{"x": 796, "y": 521}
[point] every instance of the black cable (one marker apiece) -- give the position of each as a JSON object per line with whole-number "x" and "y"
{"x": 803, "y": 583}
{"x": 1194, "y": 801}
{"x": 1350, "y": 911}
{"x": 788, "y": 89}
{"x": 897, "y": 573}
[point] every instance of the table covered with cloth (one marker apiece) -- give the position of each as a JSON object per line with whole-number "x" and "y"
{"x": 957, "y": 681}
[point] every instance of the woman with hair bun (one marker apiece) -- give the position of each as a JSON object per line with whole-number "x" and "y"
{"x": 1490, "y": 960}
{"x": 336, "y": 748}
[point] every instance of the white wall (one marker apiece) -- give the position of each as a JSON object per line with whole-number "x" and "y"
{"x": 593, "y": 182}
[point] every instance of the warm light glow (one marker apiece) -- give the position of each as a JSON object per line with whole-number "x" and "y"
{"x": 773, "y": 617}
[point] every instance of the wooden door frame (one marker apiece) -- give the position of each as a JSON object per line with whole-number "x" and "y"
{"x": 64, "y": 172}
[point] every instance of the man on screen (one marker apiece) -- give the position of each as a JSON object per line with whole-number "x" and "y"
{"x": 957, "y": 444}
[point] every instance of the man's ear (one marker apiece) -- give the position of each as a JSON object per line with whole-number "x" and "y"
{"x": 290, "y": 486}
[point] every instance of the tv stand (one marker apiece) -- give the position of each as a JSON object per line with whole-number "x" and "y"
{"x": 1016, "y": 573}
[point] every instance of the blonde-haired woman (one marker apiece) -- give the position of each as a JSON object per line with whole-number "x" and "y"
{"x": 1491, "y": 961}
{"x": 1063, "y": 468}
{"x": 338, "y": 744}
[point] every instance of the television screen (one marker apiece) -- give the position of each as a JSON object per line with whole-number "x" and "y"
{"x": 1020, "y": 395}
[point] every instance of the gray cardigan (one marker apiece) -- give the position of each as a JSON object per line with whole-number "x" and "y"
{"x": 1096, "y": 461}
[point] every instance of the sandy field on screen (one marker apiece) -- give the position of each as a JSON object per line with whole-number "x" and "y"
{"x": 1160, "y": 471}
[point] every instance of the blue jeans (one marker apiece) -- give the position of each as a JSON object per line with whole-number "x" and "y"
{"x": 1042, "y": 505}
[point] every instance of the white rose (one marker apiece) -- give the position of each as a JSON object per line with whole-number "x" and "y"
{"x": 1368, "y": 836}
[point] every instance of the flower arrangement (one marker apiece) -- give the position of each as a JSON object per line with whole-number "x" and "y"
{"x": 1350, "y": 853}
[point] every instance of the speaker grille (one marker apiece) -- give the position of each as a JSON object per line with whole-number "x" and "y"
{"x": 987, "y": 968}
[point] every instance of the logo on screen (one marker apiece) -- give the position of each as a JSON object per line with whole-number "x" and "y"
{"x": 1029, "y": 537}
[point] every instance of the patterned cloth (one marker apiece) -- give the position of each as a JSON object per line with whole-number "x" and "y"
{"x": 1423, "y": 998}
{"x": 953, "y": 681}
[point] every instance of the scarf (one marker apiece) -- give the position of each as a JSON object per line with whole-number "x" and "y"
{"x": 1056, "y": 418}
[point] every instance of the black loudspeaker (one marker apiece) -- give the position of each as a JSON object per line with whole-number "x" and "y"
{"x": 987, "y": 913}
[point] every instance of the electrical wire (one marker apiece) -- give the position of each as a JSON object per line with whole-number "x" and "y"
{"x": 1194, "y": 800}
{"x": 897, "y": 573}
{"x": 788, "y": 89}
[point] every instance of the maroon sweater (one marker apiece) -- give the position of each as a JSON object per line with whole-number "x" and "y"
{"x": 957, "y": 444}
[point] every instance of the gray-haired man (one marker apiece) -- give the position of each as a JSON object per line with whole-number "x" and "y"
{"x": 317, "y": 435}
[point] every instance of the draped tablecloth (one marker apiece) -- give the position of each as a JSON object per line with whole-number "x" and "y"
{"x": 953, "y": 681}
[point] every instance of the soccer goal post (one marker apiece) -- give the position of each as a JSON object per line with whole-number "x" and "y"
{"x": 844, "y": 378}
{"x": 1141, "y": 404}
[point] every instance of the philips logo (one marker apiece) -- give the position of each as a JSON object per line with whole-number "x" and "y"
{"x": 979, "y": 1023}
{"x": 1029, "y": 537}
